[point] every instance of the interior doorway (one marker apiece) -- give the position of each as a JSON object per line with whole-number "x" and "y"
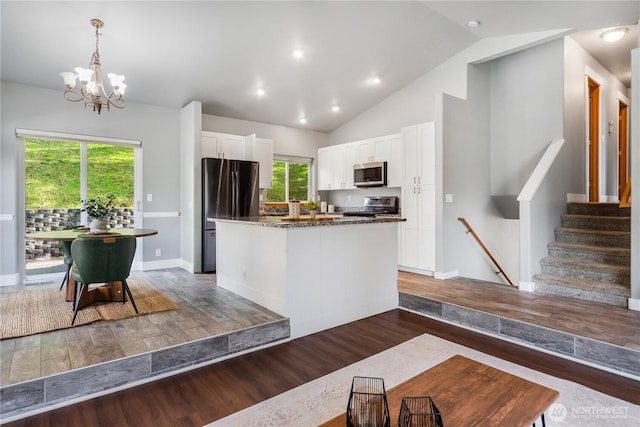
{"x": 623, "y": 151}
{"x": 593, "y": 120}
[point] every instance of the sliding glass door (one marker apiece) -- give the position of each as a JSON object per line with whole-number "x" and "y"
{"x": 59, "y": 175}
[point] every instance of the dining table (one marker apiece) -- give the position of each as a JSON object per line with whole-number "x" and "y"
{"x": 110, "y": 292}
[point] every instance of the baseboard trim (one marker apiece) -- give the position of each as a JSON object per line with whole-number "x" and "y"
{"x": 576, "y": 198}
{"x": 634, "y": 304}
{"x": 446, "y": 275}
{"x": 527, "y": 286}
{"x": 10, "y": 279}
{"x": 159, "y": 265}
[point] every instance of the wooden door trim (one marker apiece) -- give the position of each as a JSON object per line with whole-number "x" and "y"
{"x": 623, "y": 143}
{"x": 593, "y": 139}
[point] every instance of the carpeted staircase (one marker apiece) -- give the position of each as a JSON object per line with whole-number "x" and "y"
{"x": 590, "y": 258}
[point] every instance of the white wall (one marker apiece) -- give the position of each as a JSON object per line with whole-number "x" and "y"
{"x": 41, "y": 109}
{"x": 289, "y": 141}
{"x": 576, "y": 59}
{"x": 526, "y": 113}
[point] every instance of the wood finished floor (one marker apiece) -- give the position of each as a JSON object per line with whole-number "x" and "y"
{"x": 615, "y": 325}
{"x": 204, "y": 395}
{"x": 210, "y": 393}
{"x": 205, "y": 310}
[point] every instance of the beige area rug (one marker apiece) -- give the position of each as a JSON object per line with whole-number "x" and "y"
{"x": 33, "y": 311}
{"x": 320, "y": 400}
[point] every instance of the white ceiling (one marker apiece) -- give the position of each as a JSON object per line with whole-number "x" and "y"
{"x": 173, "y": 52}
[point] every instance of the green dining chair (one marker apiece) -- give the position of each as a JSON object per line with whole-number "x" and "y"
{"x": 101, "y": 260}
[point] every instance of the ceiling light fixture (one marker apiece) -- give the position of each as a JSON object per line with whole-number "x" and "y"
{"x": 303, "y": 120}
{"x": 614, "y": 34}
{"x": 335, "y": 108}
{"x": 92, "y": 90}
{"x": 473, "y": 23}
{"x": 376, "y": 80}
{"x": 297, "y": 53}
{"x": 260, "y": 92}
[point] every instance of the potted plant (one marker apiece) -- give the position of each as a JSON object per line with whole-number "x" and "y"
{"x": 97, "y": 208}
{"x": 313, "y": 208}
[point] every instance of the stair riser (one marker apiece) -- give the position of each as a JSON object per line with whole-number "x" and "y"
{"x": 594, "y": 257}
{"x": 593, "y": 239}
{"x": 597, "y": 224}
{"x": 597, "y": 209}
{"x": 613, "y": 277}
{"x": 606, "y": 298}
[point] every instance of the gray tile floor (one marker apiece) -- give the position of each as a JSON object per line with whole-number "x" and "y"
{"x": 205, "y": 310}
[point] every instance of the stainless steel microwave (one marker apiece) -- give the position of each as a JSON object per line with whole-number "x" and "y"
{"x": 370, "y": 174}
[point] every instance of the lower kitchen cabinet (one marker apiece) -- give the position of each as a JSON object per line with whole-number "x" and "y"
{"x": 418, "y": 197}
{"x": 418, "y": 232}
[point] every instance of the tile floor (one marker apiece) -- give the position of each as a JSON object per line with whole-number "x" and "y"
{"x": 205, "y": 310}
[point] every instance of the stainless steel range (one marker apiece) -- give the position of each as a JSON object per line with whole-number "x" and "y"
{"x": 376, "y": 205}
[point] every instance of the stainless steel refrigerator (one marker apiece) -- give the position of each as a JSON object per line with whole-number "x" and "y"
{"x": 229, "y": 190}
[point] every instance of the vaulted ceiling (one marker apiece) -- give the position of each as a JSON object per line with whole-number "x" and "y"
{"x": 219, "y": 53}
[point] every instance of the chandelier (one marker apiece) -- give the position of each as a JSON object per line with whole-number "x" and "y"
{"x": 92, "y": 91}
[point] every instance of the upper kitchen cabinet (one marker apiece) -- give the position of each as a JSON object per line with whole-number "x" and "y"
{"x": 383, "y": 149}
{"x": 335, "y": 167}
{"x": 418, "y": 154}
{"x": 223, "y": 146}
{"x": 261, "y": 150}
{"x": 324, "y": 168}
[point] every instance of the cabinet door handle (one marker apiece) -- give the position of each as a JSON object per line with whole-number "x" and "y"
{"x": 414, "y": 179}
{"x": 414, "y": 190}
{"x": 419, "y": 179}
{"x": 418, "y": 190}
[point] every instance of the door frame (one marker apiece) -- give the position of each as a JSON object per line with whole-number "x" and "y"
{"x": 623, "y": 142}
{"x": 592, "y": 128}
{"x": 23, "y": 134}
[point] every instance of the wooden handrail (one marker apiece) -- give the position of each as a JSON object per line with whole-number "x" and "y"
{"x": 626, "y": 194}
{"x": 473, "y": 233}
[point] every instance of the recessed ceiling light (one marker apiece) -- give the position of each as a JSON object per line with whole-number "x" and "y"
{"x": 335, "y": 108}
{"x": 303, "y": 120}
{"x": 473, "y": 23}
{"x": 260, "y": 92}
{"x": 376, "y": 80}
{"x": 614, "y": 34}
{"x": 297, "y": 53}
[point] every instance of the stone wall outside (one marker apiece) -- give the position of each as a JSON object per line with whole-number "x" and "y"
{"x": 60, "y": 219}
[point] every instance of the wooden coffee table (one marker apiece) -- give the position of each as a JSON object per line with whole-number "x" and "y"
{"x": 469, "y": 393}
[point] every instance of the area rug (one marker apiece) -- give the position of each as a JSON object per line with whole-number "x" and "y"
{"x": 34, "y": 311}
{"x": 320, "y": 400}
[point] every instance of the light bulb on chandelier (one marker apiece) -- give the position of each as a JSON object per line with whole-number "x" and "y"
{"x": 92, "y": 91}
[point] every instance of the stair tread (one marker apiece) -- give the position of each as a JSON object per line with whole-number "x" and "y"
{"x": 585, "y": 284}
{"x": 589, "y": 248}
{"x": 603, "y": 217}
{"x": 592, "y": 231}
{"x": 585, "y": 265}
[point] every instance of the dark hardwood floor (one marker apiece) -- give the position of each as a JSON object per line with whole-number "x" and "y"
{"x": 204, "y": 395}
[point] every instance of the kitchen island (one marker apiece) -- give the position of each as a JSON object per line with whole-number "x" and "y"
{"x": 320, "y": 274}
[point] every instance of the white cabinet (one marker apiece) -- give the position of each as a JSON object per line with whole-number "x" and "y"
{"x": 261, "y": 150}
{"x": 394, "y": 162}
{"x": 374, "y": 149}
{"x": 264, "y": 155}
{"x": 335, "y": 167}
{"x": 222, "y": 145}
{"x": 418, "y": 196}
{"x": 324, "y": 168}
{"x": 383, "y": 149}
